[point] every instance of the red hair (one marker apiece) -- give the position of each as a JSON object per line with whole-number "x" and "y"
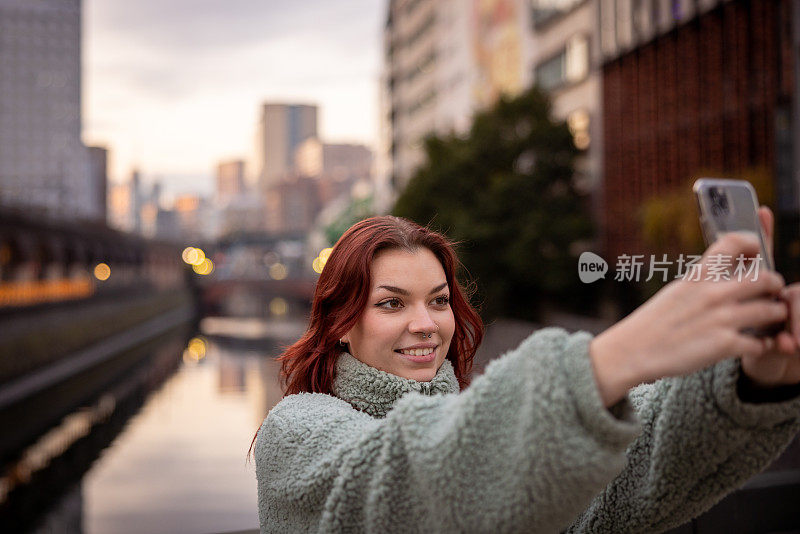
{"x": 341, "y": 294}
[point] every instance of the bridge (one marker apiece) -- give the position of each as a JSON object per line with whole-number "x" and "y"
{"x": 259, "y": 275}
{"x": 44, "y": 261}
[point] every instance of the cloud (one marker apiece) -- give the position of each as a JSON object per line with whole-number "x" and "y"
{"x": 197, "y": 26}
{"x": 174, "y": 86}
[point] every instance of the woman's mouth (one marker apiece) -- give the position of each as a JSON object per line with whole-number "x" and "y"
{"x": 418, "y": 355}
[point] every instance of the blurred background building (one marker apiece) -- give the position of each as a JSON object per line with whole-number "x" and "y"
{"x": 563, "y": 58}
{"x": 281, "y": 128}
{"x": 98, "y": 180}
{"x": 693, "y": 88}
{"x": 43, "y": 164}
{"x": 230, "y": 180}
{"x": 430, "y": 77}
{"x": 335, "y": 167}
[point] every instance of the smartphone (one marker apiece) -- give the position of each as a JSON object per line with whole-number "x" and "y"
{"x": 732, "y": 206}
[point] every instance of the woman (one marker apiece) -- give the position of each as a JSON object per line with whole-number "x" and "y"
{"x": 379, "y": 433}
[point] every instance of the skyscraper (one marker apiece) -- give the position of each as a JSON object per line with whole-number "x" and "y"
{"x": 443, "y": 60}
{"x": 43, "y": 164}
{"x": 281, "y": 129}
{"x": 98, "y": 165}
{"x": 230, "y": 180}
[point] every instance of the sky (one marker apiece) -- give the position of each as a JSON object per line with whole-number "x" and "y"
{"x": 173, "y": 87}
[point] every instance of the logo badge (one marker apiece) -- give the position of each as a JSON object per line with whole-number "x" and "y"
{"x": 591, "y": 267}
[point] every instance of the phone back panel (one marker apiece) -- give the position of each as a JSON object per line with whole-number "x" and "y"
{"x": 729, "y": 206}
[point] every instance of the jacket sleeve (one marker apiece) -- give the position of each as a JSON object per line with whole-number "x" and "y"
{"x": 528, "y": 444}
{"x": 700, "y": 441}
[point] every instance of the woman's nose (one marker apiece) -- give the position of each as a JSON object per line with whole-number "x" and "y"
{"x": 422, "y": 322}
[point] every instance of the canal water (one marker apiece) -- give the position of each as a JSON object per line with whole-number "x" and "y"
{"x": 180, "y": 464}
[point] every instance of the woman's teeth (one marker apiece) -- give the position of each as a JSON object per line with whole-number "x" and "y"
{"x": 417, "y": 352}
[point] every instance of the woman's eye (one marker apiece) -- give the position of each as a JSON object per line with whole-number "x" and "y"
{"x": 391, "y": 304}
{"x": 443, "y": 300}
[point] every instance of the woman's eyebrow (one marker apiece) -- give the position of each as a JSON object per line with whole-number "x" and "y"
{"x": 405, "y": 292}
{"x": 394, "y": 290}
{"x": 438, "y": 288}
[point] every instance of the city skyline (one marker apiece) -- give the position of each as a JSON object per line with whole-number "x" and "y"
{"x": 172, "y": 89}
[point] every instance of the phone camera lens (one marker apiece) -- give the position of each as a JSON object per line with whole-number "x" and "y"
{"x": 719, "y": 202}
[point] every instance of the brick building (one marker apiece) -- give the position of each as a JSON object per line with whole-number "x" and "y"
{"x": 691, "y": 89}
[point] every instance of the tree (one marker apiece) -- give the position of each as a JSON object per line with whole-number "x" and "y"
{"x": 505, "y": 192}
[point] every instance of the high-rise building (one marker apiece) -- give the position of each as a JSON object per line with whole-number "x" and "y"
{"x": 43, "y": 164}
{"x": 120, "y": 207}
{"x": 136, "y": 200}
{"x": 444, "y": 60}
{"x": 281, "y": 128}
{"x": 98, "y": 172}
{"x": 230, "y": 180}
{"x": 292, "y": 205}
{"x": 428, "y": 76}
{"x": 315, "y": 158}
{"x": 336, "y": 167}
{"x": 563, "y": 58}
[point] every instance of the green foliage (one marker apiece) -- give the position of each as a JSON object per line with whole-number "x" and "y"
{"x": 505, "y": 191}
{"x": 357, "y": 210}
{"x": 670, "y": 222}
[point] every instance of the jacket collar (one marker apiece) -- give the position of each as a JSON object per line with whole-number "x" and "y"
{"x": 375, "y": 392}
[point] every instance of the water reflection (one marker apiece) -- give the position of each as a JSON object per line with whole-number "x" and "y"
{"x": 180, "y": 464}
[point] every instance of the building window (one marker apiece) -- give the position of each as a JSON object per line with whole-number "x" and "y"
{"x": 570, "y": 65}
{"x": 426, "y": 99}
{"x": 543, "y": 11}
{"x": 551, "y": 73}
{"x": 422, "y": 30}
{"x": 425, "y": 66}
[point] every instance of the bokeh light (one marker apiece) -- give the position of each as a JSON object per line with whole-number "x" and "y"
{"x": 185, "y": 254}
{"x": 319, "y": 262}
{"x": 197, "y": 256}
{"x": 102, "y": 271}
{"x": 325, "y": 254}
{"x": 193, "y": 256}
{"x": 278, "y": 271}
{"x": 204, "y": 267}
{"x": 278, "y": 306}
{"x": 195, "y": 350}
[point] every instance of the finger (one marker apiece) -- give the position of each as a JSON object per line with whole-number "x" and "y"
{"x": 730, "y": 246}
{"x": 786, "y": 344}
{"x": 755, "y": 313}
{"x": 764, "y": 283}
{"x": 791, "y": 295}
{"x": 749, "y": 345}
{"x": 735, "y": 242}
{"x": 767, "y": 220}
{"x": 724, "y": 256}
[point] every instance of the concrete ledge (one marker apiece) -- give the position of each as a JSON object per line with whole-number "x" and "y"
{"x": 37, "y": 381}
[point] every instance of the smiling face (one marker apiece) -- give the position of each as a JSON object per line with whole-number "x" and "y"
{"x": 408, "y": 297}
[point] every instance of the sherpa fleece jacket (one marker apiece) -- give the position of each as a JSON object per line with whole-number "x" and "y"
{"x": 528, "y": 447}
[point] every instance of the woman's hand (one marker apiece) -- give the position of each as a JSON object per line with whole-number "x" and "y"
{"x": 780, "y": 363}
{"x": 689, "y": 325}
